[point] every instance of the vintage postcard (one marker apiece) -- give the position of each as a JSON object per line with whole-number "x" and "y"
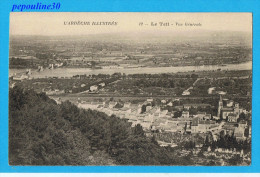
{"x": 161, "y": 89}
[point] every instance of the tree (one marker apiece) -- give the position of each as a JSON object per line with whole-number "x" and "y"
{"x": 138, "y": 130}
{"x": 242, "y": 116}
{"x": 143, "y": 109}
{"x": 177, "y": 114}
{"x": 193, "y": 111}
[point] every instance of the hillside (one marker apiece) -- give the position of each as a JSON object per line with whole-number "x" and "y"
{"x": 42, "y": 132}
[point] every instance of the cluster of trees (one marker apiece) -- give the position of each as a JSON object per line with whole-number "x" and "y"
{"x": 235, "y": 86}
{"x": 165, "y": 83}
{"x": 162, "y": 76}
{"x": 66, "y": 84}
{"x": 43, "y": 56}
{"x": 189, "y": 145}
{"x": 40, "y": 135}
{"x": 94, "y": 82}
{"x": 21, "y": 63}
{"x": 245, "y": 103}
{"x": 98, "y": 76}
{"x": 42, "y": 132}
{"x": 227, "y": 141}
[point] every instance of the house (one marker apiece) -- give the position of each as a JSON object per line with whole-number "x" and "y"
{"x": 19, "y": 78}
{"x": 51, "y": 66}
{"x": 181, "y": 126}
{"x": 59, "y": 64}
{"x": 152, "y": 110}
{"x": 157, "y": 109}
{"x": 207, "y": 117}
{"x": 163, "y": 113}
{"x": 212, "y": 90}
{"x": 95, "y": 105}
{"x": 230, "y": 103}
{"x": 54, "y": 92}
{"x": 194, "y": 125}
{"x": 139, "y": 110}
{"x": 186, "y": 92}
{"x": 149, "y": 119}
{"x": 179, "y": 108}
{"x": 12, "y": 85}
{"x": 93, "y": 88}
{"x": 221, "y": 92}
{"x": 250, "y": 132}
{"x": 146, "y": 125}
{"x": 127, "y": 104}
{"x": 232, "y": 117}
{"x": 201, "y": 114}
{"x": 242, "y": 124}
{"x": 163, "y": 101}
{"x": 112, "y": 104}
{"x": 157, "y": 115}
{"x": 102, "y": 84}
{"x": 216, "y": 118}
{"x": 169, "y": 114}
{"x": 188, "y": 106}
{"x": 185, "y": 114}
{"x": 28, "y": 71}
{"x": 170, "y": 127}
{"x": 229, "y": 127}
{"x": 126, "y": 110}
{"x": 239, "y": 133}
{"x": 140, "y": 105}
{"x": 170, "y": 104}
{"x": 115, "y": 110}
{"x": 58, "y": 101}
{"x": 204, "y": 126}
{"x": 148, "y": 108}
{"x": 201, "y": 126}
{"x": 84, "y": 105}
{"x": 40, "y": 68}
{"x": 149, "y": 100}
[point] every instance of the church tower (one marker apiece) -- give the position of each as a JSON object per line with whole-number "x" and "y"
{"x": 220, "y": 106}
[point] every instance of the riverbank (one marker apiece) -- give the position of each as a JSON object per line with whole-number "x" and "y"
{"x": 69, "y": 72}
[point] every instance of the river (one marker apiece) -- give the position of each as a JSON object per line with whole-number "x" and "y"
{"x": 68, "y": 72}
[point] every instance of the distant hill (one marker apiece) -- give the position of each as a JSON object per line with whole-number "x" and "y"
{"x": 151, "y": 37}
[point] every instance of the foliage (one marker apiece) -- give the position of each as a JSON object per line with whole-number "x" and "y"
{"x": 40, "y": 133}
{"x": 45, "y": 133}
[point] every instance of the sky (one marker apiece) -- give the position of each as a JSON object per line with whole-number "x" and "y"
{"x": 52, "y": 23}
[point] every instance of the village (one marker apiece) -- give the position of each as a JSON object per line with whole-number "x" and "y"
{"x": 153, "y": 117}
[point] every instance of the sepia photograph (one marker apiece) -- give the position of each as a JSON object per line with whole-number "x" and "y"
{"x": 130, "y": 89}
